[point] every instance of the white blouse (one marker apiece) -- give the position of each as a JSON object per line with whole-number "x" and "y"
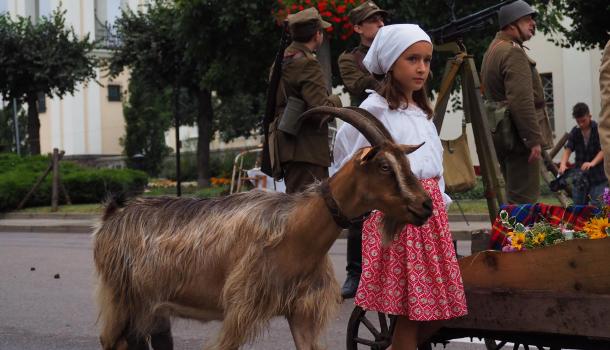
{"x": 409, "y": 126}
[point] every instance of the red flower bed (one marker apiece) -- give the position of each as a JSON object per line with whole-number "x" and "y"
{"x": 333, "y": 11}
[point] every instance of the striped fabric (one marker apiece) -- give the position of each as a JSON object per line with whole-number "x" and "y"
{"x": 527, "y": 214}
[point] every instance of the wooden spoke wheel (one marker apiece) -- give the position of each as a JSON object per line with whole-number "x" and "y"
{"x": 493, "y": 344}
{"x": 369, "y": 330}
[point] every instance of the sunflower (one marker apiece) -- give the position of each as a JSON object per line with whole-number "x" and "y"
{"x": 596, "y": 228}
{"x": 518, "y": 239}
{"x": 539, "y": 238}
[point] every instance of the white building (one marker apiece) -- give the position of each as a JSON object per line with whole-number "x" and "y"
{"x": 90, "y": 121}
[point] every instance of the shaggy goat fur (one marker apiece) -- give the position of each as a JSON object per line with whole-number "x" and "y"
{"x": 149, "y": 251}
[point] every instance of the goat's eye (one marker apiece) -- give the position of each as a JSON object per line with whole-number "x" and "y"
{"x": 386, "y": 168}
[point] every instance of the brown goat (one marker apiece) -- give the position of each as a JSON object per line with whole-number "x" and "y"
{"x": 247, "y": 257}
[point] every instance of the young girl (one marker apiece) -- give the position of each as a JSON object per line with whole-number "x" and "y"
{"x": 417, "y": 276}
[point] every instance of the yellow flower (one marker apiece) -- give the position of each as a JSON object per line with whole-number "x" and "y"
{"x": 518, "y": 239}
{"x": 539, "y": 238}
{"x": 596, "y": 228}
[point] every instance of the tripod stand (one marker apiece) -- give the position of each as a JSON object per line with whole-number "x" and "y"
{"x": 463, "y": 65}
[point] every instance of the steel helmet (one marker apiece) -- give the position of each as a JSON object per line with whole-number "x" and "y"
{"x": 513, "y": 11}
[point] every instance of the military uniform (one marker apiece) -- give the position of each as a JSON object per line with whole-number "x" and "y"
{"x": 604, "y": 117}
{"x": 508, "y": 75}
{"x": 305, "y": 157}
{"x": 356, "y": 78}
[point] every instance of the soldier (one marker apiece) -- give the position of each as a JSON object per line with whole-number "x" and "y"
{"x": 366, "y": 19}
{"x": 304, "y": 155}
{"x": 510, "y": 78}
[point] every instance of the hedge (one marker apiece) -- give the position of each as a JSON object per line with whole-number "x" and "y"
{"x": 84, "y": 185}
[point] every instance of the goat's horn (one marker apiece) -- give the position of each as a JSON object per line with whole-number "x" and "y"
{"x": 373, "y": 119}
{"x": 367, "y": 128}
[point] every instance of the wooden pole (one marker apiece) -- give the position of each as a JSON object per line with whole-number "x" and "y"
{"x": 55, "y": 180}
{"x": 39, "y": 181}
{"x": 35, "y": 187}
{"x": 559, "y": 145}
{"x": 490, "y": 167}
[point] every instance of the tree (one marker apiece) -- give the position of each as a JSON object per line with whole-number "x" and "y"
{"x": 201, "y": 47}
{"x": 234, "y": 46}
{"x": 42, "y": 57}
{"x": 589, "y": 23}
{"x": 147, "y": 116}
{"x": 151, "y": 48}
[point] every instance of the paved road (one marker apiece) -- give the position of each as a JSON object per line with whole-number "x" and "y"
{"x": 46, "y": 299}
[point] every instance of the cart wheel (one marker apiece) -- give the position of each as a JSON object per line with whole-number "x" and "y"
{"x": 375, "y": 335}
{"x": 492, "y": 344}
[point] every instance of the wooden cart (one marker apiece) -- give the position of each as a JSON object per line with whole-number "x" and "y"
{"x": 556, "y": 297}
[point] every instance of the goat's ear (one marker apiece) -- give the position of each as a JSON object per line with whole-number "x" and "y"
{"x": 410, "y": 148}
{"x": 367, "y": 154}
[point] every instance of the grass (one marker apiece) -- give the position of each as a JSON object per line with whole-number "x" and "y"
{"x": 479, "y": 206}
{"x": 67, "y": 209}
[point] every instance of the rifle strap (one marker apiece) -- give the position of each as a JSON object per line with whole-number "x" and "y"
{"x": 446, "y": 85}
{"x": 359, "y": 55}
{"x": 492, "y": 49}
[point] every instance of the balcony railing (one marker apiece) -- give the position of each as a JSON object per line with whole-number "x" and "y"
{"x": 105, "y": 36}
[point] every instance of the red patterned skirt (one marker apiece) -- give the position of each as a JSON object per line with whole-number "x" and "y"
{"x": 417, "y": 275}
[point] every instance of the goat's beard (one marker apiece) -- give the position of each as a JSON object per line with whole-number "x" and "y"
{"x": 390, "y": 228}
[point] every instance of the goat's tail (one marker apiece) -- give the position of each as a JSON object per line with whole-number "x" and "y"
{"x": 113, "y": 202}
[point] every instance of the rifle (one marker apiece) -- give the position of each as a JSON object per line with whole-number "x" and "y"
{"x": 454, "y": 30}
{"x": 274, "y": 82}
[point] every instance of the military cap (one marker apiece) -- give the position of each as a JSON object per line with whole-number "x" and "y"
{"x": 308, "y": 15}
{"x": 364, "y": 11}
{"x": 513, "y": 11}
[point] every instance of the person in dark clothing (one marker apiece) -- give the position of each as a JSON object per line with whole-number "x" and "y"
{"x": 584, "y": 142}
{"x": 366, "y": 19}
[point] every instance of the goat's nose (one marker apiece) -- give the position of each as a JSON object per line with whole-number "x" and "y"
{"x": 427, "y": 204}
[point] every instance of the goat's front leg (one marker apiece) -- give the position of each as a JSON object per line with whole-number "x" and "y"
{"x": 304, "y": 331}
{"x": 314, "y": 308}
{"x": 239, "y": 325}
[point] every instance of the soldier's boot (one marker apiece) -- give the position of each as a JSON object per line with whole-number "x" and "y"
{"x": 354, "y": 260}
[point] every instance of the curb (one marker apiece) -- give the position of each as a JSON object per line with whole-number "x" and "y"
{"x": 75, "y": 216}
{"x": 48, "y": 229}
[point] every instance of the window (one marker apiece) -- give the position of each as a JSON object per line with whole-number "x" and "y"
{"x": 114, "y": 93}
{"x": 547, "y": 87}
{"x": 42, "y": 103}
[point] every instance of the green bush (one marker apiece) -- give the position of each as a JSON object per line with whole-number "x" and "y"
{"x": 221, "y": 165}
{"x": 84, "y": 185}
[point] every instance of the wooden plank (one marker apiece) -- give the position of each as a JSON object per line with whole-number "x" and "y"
{"x": 580, "y": 265}
{"x": 575, "y": 314}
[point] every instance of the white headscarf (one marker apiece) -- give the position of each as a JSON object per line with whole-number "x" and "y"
{"x": 390, "y": 42}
